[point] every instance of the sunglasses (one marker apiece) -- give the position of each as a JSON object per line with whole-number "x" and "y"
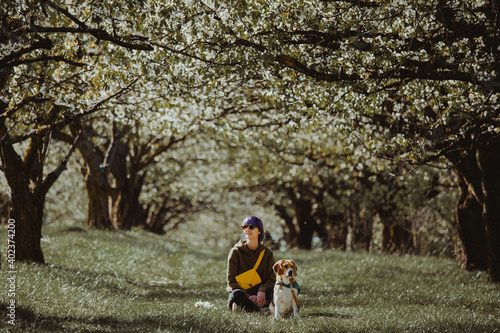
{"x": 250, "y": 226}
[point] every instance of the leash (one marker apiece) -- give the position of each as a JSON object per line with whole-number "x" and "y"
{"x": 296, "y": 300}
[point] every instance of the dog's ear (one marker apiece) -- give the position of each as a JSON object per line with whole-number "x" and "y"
{"x": 294, "y": 268}
{"x": 278, "y": 267}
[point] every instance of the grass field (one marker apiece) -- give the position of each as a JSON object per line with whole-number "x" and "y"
{"x": 139, "y": 282}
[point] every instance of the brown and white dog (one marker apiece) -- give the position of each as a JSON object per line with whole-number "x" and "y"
{"x": 286, "y": 289}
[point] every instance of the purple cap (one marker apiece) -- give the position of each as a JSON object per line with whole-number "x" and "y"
{"x": 254, "y": 220}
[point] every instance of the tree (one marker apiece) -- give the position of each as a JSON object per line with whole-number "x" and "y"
{"x": 115, "y": 173}
{"x": 49, "y": 75}
{"x": 412, "y": 82}
{"x": 320, "y": 191}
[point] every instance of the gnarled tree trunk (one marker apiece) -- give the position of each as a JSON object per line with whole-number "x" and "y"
{"x": 471, "y": 228}
{"x": 488, "y": 157}
{"x": 26, "y": 208}
{"x": 305, "y": 221}
{"x": 96, "y": 182}
{"x": 291, "y": 236}
{"x": 126, "y": 208}
{"x": 478, "y": 207}
{"x": 27, "y": 196}
{"x": 28, "y": 189}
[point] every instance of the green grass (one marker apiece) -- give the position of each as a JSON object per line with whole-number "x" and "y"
{"x": 138, "y": 282}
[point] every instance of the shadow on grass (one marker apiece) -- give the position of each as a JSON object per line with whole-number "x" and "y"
{"x": 130, "y": 287}
{"x": 28, "y": 321}
{"x": 204, "y": 291}
{"x": 328, "y": 315}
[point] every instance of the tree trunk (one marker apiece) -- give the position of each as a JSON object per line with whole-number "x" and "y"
{"x": 26, "y": 208}
{"x": 29, "y": 186}
{"x": 488, "y": 157}
{"x": 368, "y": 233}
{"x": 28, "y": 194}
{"x": 363, "y": 230}
{"x": 388, "y": 232}
{"x": 27, "y": 212}
{"x": 4, "y": 208}
{"x": 321, "y": 218}
{"x": 27, "y": 201}
{"x": 96, "y": 182}
{"x": 98, "y": 202}
{"x": 469, "y": 217}
{"x": 471, "y": 228}
{"x": 360, "y": 229}
{"x": 156, "y": 220}
{"x": 339, "y": 231}
{"x": 351, "y": 237}
{"x": 322, "y": 230}
{"x": 305, "y": 221}
{"x": 291, "y": 237}
{"x": 126, "y": 208}
{"x": 157, "y": 217}
{"x": 478, "y": 207}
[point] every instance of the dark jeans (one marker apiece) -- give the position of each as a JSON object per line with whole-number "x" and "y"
{"x": 239, "y": 297}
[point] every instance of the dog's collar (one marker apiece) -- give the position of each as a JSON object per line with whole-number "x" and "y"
{"x": 292, "y": 285}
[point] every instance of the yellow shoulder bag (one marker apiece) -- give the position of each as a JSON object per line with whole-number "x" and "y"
{"x": 250, "y": 278}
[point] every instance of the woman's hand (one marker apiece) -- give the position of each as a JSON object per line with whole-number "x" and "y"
{"x": 261, "y": 298}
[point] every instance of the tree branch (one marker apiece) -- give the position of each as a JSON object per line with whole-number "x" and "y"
{"x": 44, "y": 43}
{"x": 160, "y": 150}
{"x": 54, "y": 175}
{"x": 420, "y": 70}
{"x": 360, "y": 3}
{"x": 46, "y": 58}
{"x": 83, "y": 28}
{"x": 30, "y": 99}
{"x": 57, "y": 126}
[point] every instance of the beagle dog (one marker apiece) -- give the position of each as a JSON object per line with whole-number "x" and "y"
{"x": 286, "y": 289}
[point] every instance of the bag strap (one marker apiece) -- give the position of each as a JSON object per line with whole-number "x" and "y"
{"x": 259, "y": 260}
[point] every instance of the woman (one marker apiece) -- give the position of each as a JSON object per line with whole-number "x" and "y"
{"x": 243, "y": 257}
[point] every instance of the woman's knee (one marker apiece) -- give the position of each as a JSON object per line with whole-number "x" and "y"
{"x": 235, "y": 297}
{"x": 238, "y": 291}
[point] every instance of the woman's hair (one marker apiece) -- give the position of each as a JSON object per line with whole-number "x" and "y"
{"x": 254, "y": 220}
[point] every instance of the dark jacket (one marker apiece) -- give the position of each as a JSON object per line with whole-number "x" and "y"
{"x": 241, "y": 259}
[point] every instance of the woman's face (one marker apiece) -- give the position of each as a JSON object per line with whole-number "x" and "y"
{"x": 251, "y": 234}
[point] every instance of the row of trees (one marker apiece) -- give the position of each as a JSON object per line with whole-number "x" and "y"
{"x": 319, "y": 190}
{"x": 399, "y": 84}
